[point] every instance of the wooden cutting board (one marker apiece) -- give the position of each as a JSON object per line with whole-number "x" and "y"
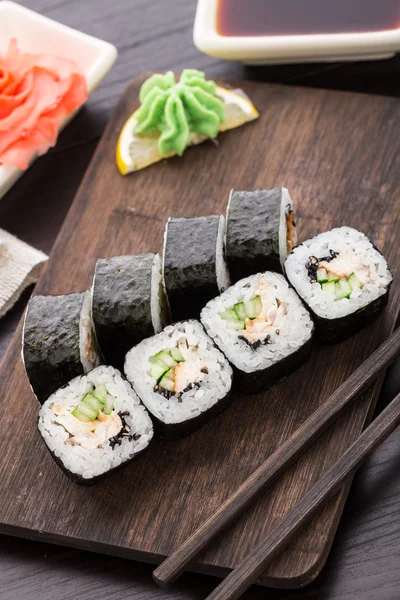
{"x": 338, "y": 153}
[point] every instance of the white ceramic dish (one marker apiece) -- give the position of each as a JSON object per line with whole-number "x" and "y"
{"x": 289, "y": 49}
{"x": 36, "y": 33}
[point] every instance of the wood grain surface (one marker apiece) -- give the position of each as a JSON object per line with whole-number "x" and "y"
{"x": 363, "y": 563}
{"x": 338, "y": 154}
{"x": 240, "y": 579}
{"x": 277, "y": 463}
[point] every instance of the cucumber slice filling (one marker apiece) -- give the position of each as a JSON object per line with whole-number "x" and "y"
{"x": 109, "y": 402}
{"x": 168, "y": 381}
{"x": 322, "y": 276}
{"x": 229, "y": 315}
{"x": 93, "y": 403}
{"x": 158, "y": 371}
{"x": 100, "y": 391}
{"x": 342, "y": 289}
{"x": 253, "y": 307}
{"x": 177, "y": 355}
{"x": 240, "y": 311}
{"x": 354, "y": 282}
{"x": 163, "y": 370}
{"x": 329, "y": 286}
{"x": 235, "y": 317}
{"x": 165, "y": 358}
{"x": 86, "y": 411}
{"x": 81, "y": 416}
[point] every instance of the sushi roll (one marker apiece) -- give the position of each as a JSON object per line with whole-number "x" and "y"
{"x": 260, "y": 231}
{"x": 193, "y": 265}
{"x": 262, "y": 327}
{"x": 181, "y": 378}
{"x": 94, "y": 424}
{"x": 128, "y": 303}
{"x": 58, "y": 341}
{"x": 343, "y": 279}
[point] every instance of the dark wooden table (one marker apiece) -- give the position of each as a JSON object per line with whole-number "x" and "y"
{"x": 157, "y": 35}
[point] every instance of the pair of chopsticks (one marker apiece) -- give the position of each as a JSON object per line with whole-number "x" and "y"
{"x": 280, "y": 536}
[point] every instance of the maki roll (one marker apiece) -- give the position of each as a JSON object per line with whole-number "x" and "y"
{"x": 342, "y": 278}
{"x": 58, "y": 341}
{"x": 128, "y": 303}
{"x": 260, "y": 231}
{"x": 262, "y": 327}
{"x": 194, "y": 266}
{"x": 94, "y": 424}
{"x": 181, "y": 378}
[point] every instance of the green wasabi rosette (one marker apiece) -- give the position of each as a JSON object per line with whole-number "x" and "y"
{"x": 176, "y": 110}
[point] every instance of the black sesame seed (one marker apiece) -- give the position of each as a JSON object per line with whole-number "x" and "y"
{"x": 205, "y": 370}
{"x": 136, "y": 436}
{"x": 245, "y": 340}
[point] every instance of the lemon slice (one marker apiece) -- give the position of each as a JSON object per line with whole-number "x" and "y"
{"x": 135, "y": 152}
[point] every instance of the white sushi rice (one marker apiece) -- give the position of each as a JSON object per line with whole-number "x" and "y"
{"x": 88, "y": 347}
{"x": 341, "y": 240}
{"x": 157, "y": 285}
{"x": 91, "y": 463}
{"x": 214, "y": 386}
{"x": 295, "y": 328}
{"x": 220, "y": 264}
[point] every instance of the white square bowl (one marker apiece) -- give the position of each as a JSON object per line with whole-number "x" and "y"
{"x": 289, "y": 48}
{"x": 38, "y": 34}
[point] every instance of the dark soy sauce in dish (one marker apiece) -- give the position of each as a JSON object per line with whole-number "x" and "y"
{"x": 302, "y": 17}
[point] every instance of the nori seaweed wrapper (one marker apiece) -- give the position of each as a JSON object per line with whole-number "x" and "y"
{"x": 331, "y": 331}
{"x": 84, "y": 481}
{"x": 51, "y": 342}
{"x": 190, "y": 264}
{"x": 252, "y": 232}
{"x": 121, "y": 304}
{"x": 262, "y": 379}
{"x": 175, "y": 431}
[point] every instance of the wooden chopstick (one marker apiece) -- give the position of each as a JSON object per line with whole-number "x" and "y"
{"x": 274, "y": 466}
{"x": 246, "y": 573}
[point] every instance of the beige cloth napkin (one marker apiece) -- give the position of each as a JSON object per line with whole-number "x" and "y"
{"x": 20, "y": 265}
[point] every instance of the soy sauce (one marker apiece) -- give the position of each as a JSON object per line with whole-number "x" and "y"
{"x": 300, "y": 17}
